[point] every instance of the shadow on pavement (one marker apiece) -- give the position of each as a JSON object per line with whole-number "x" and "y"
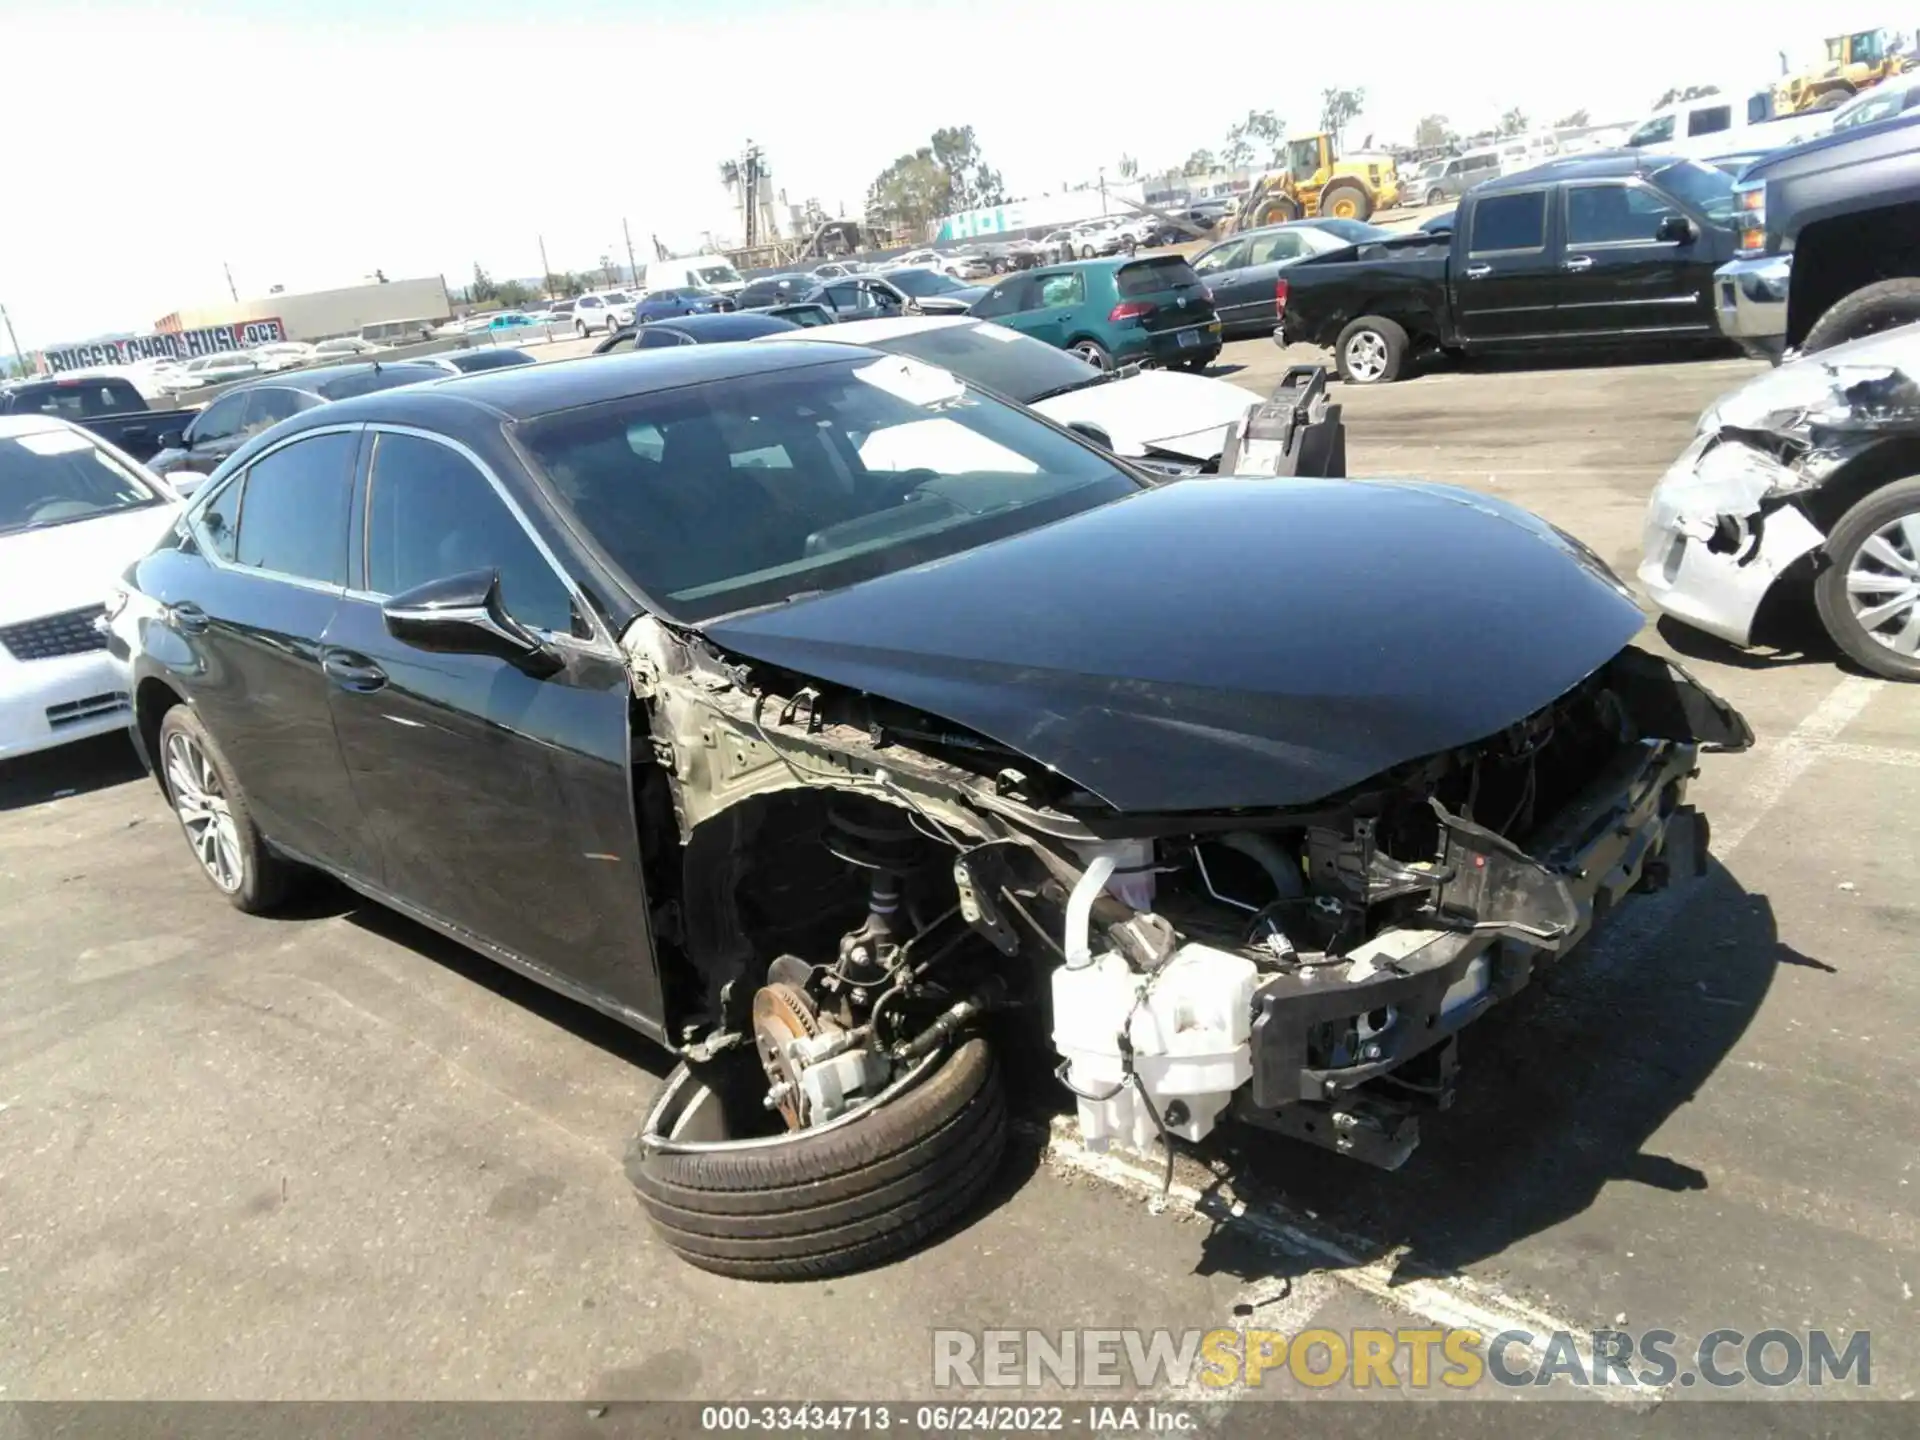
{"x": 1560, "y": 1092}
{"x": 77, "y": 769}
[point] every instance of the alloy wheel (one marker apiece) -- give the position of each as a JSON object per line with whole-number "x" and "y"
{"x": 1367, "y": 355}
{"x": 201, "y": 804}
{"x": 1883, "y": 585}
{"x": 1091, "y": 353}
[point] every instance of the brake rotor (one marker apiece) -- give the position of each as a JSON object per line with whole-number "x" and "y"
{"x": 783, "y": 1013}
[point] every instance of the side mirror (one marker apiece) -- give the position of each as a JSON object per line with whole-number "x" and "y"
{"x": 1089, "y": 431}
{"x": 1675, "y": 230}
{"x": 462, "y": 615}
{"x": 170, "y": 440}
{"x": 185, "y": 482}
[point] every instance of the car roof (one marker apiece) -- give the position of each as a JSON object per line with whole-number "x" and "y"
{"x": 314, "y": 377}
{"x": 32, "y": 423}
{"x": 527, "y": 391}
{"x": 724, "y": 325}
{"x": 1600, "y": 165}
{"x": 860, "y": 332}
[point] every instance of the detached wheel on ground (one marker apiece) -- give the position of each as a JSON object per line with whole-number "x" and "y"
{"x": 213, "y": 814}
{"x": 1371, "y": 351}
{"x": 808, "y": 1205}
{"x": 1869, "y": 594}
{"x": 1866, "y": 311}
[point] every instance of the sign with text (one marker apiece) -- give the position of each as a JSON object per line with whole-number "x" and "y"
{"x": 175, "y": 345}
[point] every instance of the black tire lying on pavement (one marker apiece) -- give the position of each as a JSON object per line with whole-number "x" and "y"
{"x": 809, "y": 1205}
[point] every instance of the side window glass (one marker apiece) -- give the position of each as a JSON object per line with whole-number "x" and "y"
{"x": 1270, "y": 248}
{"x": 1758, "y": 108}
{"x": 220, "y": 420}
{"x": 1613, "y": 214}
{"x": 1227, "y": 257}
{"x": 997, "y": 301}
{"x": 268, "y": 407}
{"x": 294, "y": 517}
{"x": 1510, "y": 222}
{"x": 431, "y": 514}
{"x": 1059, "y": 291}
{"x": 217, "y": 526}
{"x": 625, "y": 342}
{"x": 650, "y": 339}
{"x": 1710, "y": 121}
{"x": 1655, "y": 132}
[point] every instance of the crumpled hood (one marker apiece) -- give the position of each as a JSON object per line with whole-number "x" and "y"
{"x": 1182, "y": 414}
{"x": 63, "y": 567}
{"x": 1225, "y": 642}
{"x": 1870, "y": 383}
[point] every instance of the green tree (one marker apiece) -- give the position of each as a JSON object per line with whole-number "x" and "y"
{"x": 971, "y": 184}
{"x": 513, "y": 295}
{"x": 1574, "y": 121}
{"x": 911, "y": 192}
{"x": 1514, "y": 122}
{"x": 1199, "y": 163}
{"x": 482, "y": 288}
{"x": 1256, "y": 138}
{"x": 1338, "y": 107}
{"x": 1432, "y": 132}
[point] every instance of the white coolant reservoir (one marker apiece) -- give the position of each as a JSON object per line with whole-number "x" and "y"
{"x": 1189, "y": 1026}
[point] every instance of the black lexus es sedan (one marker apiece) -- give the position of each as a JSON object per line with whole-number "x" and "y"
{"x": 840, "y": 727}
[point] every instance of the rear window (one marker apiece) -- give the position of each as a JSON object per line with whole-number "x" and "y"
{"x": 379, "y": 377}
{"x": 1155, "y": 276}
{"x": 78, "y": 399}
{"x": 477, "y": 360}
{"x": 1510, "y": 222}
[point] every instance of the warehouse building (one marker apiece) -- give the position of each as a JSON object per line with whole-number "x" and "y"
{"x": 323, "y": 314}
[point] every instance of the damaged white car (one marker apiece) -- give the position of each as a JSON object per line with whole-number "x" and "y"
{"x": 844, "y": 727}
{"x": 1803, "y": 480}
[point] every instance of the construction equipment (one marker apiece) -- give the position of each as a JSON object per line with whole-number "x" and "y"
{"x": 1316, "y": 181}
{"x": 1854, "y": 63}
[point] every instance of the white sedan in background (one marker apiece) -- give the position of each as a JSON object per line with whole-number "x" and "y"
{"x": 1167, "y": 421}
{"x": 74, "y": 513}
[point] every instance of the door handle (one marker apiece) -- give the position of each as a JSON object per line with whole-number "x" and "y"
{"x": 1579, "y": 262}
{"x": 1476, "y": 272}
{"x": 352, "y": 672}
{"x": 189, "y": 617}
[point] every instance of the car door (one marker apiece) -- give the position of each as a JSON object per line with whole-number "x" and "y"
{"x": 1506, "y": 272}
{"x": 1625, "y": 274}
{"x": 500, "y": 799}
{"x": 272, "y": 548}
{"x": 1008, "y": 299}
{"x": 1251, "y": 292}
{"x": 215, "y": 433}
{"x": 1220, "y": 269}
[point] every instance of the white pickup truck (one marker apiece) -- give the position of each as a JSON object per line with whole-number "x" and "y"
{"x": 1723, "y": 124}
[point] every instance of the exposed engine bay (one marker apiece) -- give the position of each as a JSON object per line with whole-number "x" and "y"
{"x": 859, "y": 881}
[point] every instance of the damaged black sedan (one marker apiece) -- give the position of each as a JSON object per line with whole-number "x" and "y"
{"x": 839, "y": 725}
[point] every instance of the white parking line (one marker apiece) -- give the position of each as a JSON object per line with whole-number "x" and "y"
{"x": 1872, "y": 754}
{"x": 1453, "y": 1301}
{"x": 1778, "y": 767}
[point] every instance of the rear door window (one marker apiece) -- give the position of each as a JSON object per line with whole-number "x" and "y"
{"x": 1155, "y": 276}
{"x": 1057, "y": 292}
{"x": 1007, "y": 298}
{"x": 1515, "y": 221}
{"x": 1223, "y": 257}
{"x": 293, "y": 509}
{"x": 221, "y": 419}
{"x": 1710, "y": 121}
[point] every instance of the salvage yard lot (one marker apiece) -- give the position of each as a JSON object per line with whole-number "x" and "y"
{"x": 335, "y": 1156}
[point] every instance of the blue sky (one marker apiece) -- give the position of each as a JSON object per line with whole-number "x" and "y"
{"x": 307, "y": 144}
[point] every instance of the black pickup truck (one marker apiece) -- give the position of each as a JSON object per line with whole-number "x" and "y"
{"x": 1591, "y": 251}
{"x": 105, "y": 404}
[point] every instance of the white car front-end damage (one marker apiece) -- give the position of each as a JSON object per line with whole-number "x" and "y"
{"x": 1731, "y": 517}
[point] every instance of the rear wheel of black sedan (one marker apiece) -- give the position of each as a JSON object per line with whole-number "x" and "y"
{"x": 809, "y": 1204}
{"x": 214, "y": 816}
{"x": 1869, "y": 594}
{"x": 1371, "y": 351}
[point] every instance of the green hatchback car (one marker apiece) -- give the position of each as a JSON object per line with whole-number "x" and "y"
{"x": 1112, "y": 312}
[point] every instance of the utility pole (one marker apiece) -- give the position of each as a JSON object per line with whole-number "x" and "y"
{"x": 546, "y": 270}
{"x": 232, "y": 289}
{"x": 633, "y": 270}
{"x": 19, "y": 360}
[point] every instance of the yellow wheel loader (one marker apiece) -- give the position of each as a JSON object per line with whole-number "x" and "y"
{"x": 1316, "y": 181}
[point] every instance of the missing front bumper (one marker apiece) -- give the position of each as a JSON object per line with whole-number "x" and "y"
{"x": 1345, "y": 1056}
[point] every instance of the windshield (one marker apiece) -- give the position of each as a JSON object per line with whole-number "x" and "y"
{"x": 924, "y": 282}
{"x": 997, "y": 358}
{"x": 746, "y": 492}
{"x": 1706, "y": 189}
{"x": 717, "y": 275}
{"x": 53, "y": 477}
